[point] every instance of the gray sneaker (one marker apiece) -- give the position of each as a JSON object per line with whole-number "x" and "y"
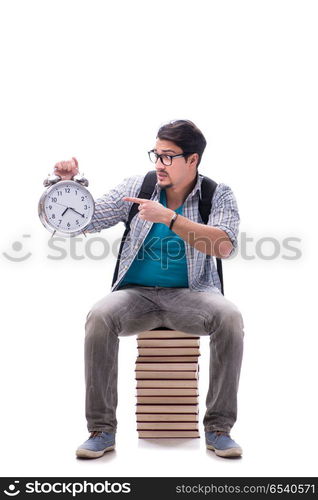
{"x": 222, "y": 444}
{"x": 96, "y": 445}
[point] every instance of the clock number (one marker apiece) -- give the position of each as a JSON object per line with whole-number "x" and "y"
{"x": 50, "y": 207}
{"x": 77, "y": 222}
{"x": 53, "y": 216}
{"x": 68, "y": 224}
{"x": 59, "y": 193}
{"x": 60, "y": 220}
{"x": 67, "y": 190}
{"x": 54, "y": 200}
{"x": 82, "y": 198}
{"x": 85, "y": 207}
{"x": 76, "y": 192}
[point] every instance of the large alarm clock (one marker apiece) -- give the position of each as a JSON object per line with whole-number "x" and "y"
{"x": 66, "y": 207}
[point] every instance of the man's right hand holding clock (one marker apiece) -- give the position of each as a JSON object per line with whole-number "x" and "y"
{"x": 66, "y": 205}
{"x": 66, "y": 169}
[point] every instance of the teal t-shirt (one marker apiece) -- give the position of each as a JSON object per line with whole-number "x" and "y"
{"x": 161, "y": 260}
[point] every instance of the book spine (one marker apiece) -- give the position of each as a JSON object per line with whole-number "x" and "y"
{"x": 167, "y": 417}
{"x": 189, "y": 426}
{"x": 168, "y": 351}
{"x": 168, "y": 343}
{"x": 167, "y": 392}
{"x": 167, "y": 359}
{"x": 166, "y": 375}
{"x": 167, "y": 409}
{"x": 167, "y": 366}
{"x": 174, "y": 400}
{"x": 168, "y": 434}
{"x": 153, "y": 383}
{"x": 165, "y": 334}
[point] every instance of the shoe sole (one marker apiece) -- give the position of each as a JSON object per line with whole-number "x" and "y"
{"x": 230, "y": 452}
{"x": 82, "y": 453}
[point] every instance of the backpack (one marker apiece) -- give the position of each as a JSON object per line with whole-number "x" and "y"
{"x": 207, "y": 189}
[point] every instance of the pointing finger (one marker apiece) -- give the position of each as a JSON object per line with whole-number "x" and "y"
{"x": 134, "y": 200}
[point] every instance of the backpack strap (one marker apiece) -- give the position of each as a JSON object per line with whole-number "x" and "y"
{"x": 208, "y": 187}
{"x": 207, "y": 191}
{"x": 146, "y": 190}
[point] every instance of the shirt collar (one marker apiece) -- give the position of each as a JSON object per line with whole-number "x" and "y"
{"x": 197, "y": 186}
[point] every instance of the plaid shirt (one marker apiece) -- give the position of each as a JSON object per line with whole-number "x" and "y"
{"x": 202, "y": 274}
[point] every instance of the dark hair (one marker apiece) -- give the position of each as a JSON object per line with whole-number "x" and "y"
{"x": 184, "y": 134}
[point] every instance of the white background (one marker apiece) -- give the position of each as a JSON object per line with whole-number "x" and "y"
{"x": 95, "y": 80}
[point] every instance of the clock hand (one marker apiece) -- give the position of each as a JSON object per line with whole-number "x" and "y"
{"x": 65, "y": 211}
{"x": 76, "y": 211}
{"x": 60, "y": 204}
{"x": 70, "y": 208}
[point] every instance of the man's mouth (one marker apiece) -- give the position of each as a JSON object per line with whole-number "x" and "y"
{"x": 161, "y": 176}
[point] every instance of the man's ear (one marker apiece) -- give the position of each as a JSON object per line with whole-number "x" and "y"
{"x": 194, "y": 159}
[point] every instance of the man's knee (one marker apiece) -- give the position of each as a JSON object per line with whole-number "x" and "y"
{"x": 233, "y": 320}
{"x": 229, "y": 321}
{"x": 100, "y": 321}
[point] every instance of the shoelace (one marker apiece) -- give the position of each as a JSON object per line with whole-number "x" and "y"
{"x": 95, "y": 434}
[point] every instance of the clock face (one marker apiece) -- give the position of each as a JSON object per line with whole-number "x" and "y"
{"x": 66, "y": 207}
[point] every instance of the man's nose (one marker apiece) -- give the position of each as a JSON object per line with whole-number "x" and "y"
{"x": 160, "y": 165}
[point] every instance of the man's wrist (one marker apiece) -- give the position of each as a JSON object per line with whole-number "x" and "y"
{"x": 168, "y": 216}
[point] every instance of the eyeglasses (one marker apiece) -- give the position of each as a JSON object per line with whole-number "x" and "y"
{"x": 165, "y": 159}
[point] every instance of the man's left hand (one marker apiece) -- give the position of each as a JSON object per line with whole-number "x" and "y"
{"x": 152, "y": 210}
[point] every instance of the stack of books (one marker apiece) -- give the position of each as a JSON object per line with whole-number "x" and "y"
{"x": 167, "y": 373}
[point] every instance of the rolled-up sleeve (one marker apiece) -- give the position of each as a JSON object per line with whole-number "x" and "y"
{"x": 224, "y": 213}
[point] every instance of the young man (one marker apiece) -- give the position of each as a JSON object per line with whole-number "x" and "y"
{"x": 166, "y": 278}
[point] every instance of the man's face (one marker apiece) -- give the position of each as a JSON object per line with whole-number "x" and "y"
{"x": 179, "y": 173}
